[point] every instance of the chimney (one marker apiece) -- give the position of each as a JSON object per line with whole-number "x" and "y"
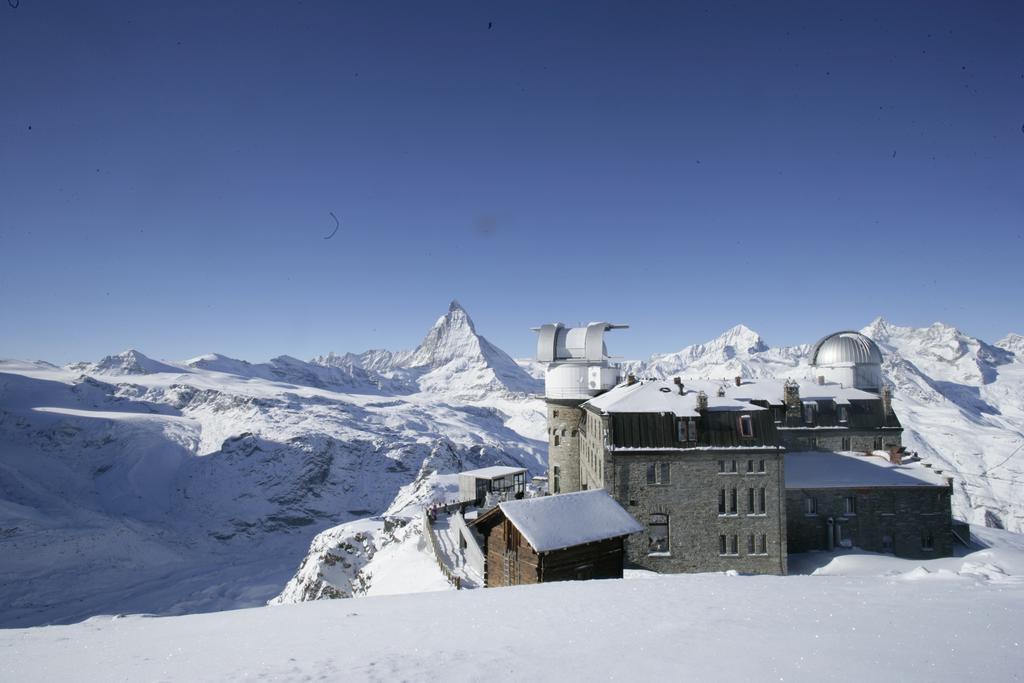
{"x": 630, "y": 379}
{"x": 821, "y": 379}
{"x": 886, "y": 401}
{"x": 739, "y": 381}
{"x": 702, "y": 401}
{"x": 679, "y": 385}
{"x": 791, "y": 398}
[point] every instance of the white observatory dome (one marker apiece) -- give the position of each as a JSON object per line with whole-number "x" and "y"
{"x": 848, "y": 358}
{"x": 578, "y": 367}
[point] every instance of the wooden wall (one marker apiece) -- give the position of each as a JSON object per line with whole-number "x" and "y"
{"x": 714, "y": 428}
{"x": 511, "y": 561}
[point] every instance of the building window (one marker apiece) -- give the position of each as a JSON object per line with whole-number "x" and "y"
{"x": 554, "y": 413}
{"x": 557, "y": 440}
{"x": 721, "y": 467}
{"x": 927, "y": 540}
{"x": 810, "y": 408}
{"x": 843, "y": 414}
{"x": 750, "y": 501}
{"x": 846, "y": 444}
{"x": 878, "y": 443}
{"x": 757, "y": 544}
{"x": 686, "y": 430}
{"x": 760, "y": 466}
{"x": 750, "y": 466}
{"x": 732, "y": 467}
{"x": 727, "y": 467}
{"x": 556, "y": 474}
{"x": 746, "y": 426}
{"x": 728, "y": 545}
{"x": 658, "y": 473}
{"x": 727, "y": 502}
{"x": 761, "y": 507}
{"x": 850, "y": 505}
{"x": 810, "y": 505}
{"x": 657, "y": 534}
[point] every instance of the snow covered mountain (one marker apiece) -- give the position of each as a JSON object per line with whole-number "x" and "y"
{"x": 960, "y": 399}
{"x": 134, "y": 485}
{"x": 452, "y": 360}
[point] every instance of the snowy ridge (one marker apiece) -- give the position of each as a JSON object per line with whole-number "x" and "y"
{"x": 960, "y": 399}
{"x": 194, "y": 486}
{"x": 452, "y": 360}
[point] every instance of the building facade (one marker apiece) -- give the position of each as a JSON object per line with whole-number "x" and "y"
{"x": 704, "y": 476}
{"x": 702, "y": 465}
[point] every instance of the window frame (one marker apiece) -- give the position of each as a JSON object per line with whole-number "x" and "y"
{"x": 659, "y": 473}
{"x": 810, "y": 506}
{"x": 667, "y": 524}
{"x": 748, "y": 421}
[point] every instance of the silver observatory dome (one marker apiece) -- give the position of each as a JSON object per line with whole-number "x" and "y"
{"x": 848, "y": 358}
{"x": 845, "y": 347}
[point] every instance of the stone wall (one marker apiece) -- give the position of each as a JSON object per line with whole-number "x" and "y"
{"x": 564, "y": 445}
{"x": 860, "y": 441}
{"x": 895, "y": 519}
{"x": 691, "y": 499}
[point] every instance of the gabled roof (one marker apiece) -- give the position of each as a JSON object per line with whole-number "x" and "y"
{"x": 826, "y": 470}
{"x": 567, "y": 519}
{"x": 658, "y": 396}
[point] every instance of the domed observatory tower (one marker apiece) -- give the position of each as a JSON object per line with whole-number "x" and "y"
{"x": 578, "y": 368}
{"x": 850, "y": 359}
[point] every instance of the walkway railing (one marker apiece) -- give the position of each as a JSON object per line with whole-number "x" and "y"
{"x": 428, "y": 529}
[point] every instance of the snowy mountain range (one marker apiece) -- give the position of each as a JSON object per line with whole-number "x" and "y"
{"x": 136, "y": 485}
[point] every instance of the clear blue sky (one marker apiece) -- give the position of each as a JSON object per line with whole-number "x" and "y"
{"x": 167, "y": 172}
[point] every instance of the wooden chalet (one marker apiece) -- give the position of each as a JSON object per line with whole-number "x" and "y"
{"x": 572, "y": 536}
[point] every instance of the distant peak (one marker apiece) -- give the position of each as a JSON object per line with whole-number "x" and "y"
{"x": 742, "y": 338}
{"x": 456, "y": 316}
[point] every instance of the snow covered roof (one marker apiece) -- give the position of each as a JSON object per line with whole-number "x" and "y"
{"x": 824, "y": 470}
{"x": 492, "y": 472}
{"x": 772, "y": 392}
{"x": 658, "y": 396}
{"x": 568, "y": 519}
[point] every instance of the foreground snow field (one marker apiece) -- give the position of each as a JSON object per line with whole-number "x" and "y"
{"x": 898, "y": 620}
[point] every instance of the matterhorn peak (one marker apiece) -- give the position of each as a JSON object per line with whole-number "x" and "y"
{"x": 452, "y": 336}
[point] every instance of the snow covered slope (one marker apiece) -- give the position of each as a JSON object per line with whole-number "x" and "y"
{"x": 961, "y": 401}
{"x": 143, "y": 486}
{"x": 860, "y": 617}
{"x": 135, "y": 485}
{"x": 452, "y": 360}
